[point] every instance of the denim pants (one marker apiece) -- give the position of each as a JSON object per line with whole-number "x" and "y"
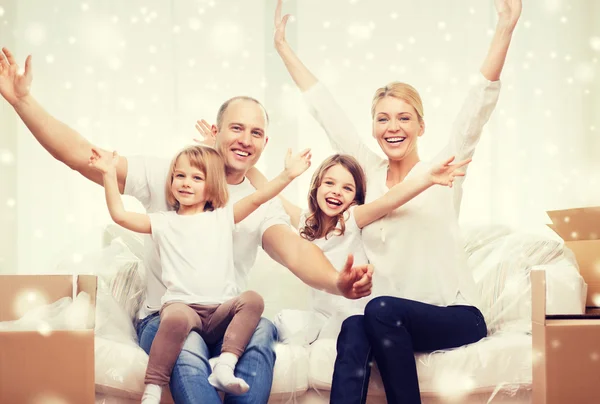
{"x": 391, "y": 331}
{"x": 189, "y": 379}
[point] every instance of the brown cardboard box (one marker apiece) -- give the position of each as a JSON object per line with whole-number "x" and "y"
{"x": 580, "y": 229}
{"x": 45, "y": 368}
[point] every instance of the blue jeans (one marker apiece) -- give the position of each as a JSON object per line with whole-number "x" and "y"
{"x": 391, "y": 331}
{"x": 189, "y": 379}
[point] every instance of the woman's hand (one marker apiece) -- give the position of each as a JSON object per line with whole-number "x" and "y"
{"x": 280, "y": 24}
{"x": 509, "y": 12}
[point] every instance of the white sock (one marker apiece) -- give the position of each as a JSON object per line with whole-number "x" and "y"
{"x": 152, "y": 394}
{"x": 222, "y": 377}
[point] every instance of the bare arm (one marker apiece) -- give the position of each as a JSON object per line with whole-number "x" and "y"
{"x": 258, "y": 180}
{"x": 310, "y": 265}
{"x": 509, "y": 12}
{"x": 399, "y": 194}
{"x": 107, "y": 167}
{"x": 294, "y": 166}
{"x": 62, "y": 142}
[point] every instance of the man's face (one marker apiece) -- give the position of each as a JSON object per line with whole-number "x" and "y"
{"x": 242, "y": 138}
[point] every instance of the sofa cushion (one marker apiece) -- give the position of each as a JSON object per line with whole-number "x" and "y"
{"x": 502, "y": 361}
{"x": 121, "y": 367}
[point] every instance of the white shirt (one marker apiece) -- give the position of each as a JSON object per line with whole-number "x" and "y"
{"x": 416, "y": 250}
{"x": 196, "y": 255}
{"x": 336, "y": 248}
{"x": 146, "y": 179}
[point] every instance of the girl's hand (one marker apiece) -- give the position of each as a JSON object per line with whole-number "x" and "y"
{"x": 280, "y": 24}
{"x": 104, "y": 164}
{"x": 205, "y": 130}
{"x": 509, "y": 12}
{"x": 443, "y": 174}
{"x": 296, "y": 165}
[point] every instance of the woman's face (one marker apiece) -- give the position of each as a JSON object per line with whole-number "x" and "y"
{"x": 396, "y": 127}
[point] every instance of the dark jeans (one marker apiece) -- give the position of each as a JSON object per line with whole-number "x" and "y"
{"x": 391, "y": 331}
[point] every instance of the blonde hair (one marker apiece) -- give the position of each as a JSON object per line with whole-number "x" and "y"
{"x": 317, "y": 224}
{"x": 210, "y": 162}
{"x": 226, "y": 104}
{"x": 402, "y": 91}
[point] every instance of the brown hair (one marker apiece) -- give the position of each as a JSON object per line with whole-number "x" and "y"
{"x": 402, "y": 91}
{"x": 225, "y": 105}
{"x": 317, "y": 224}
{"x": 210, "y": 162}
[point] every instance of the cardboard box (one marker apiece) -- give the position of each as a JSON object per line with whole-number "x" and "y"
{"x": 580, "y": 229}
{"x": 49, "y": 367}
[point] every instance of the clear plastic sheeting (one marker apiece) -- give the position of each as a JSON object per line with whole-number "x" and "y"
{"x": 502, "y": 260}
{"x": 64, "y": 314}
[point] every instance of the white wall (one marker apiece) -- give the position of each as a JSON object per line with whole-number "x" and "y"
{"x": 135, "y": 75}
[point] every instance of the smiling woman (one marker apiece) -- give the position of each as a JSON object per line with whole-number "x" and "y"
{"x": 425, "y": 295}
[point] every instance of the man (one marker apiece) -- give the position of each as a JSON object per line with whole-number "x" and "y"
{"x": 240, "y": 137}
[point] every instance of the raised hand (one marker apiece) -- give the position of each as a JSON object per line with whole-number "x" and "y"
{"x": 509, "y": 11}
{"x": 14, "y": 85}
{"x": 296, "y": 165}
{"x": 444, "y": 173}
{"x": 355, "y": 282}
{"x": 280, "y": 24}
{"x": 104, "y": 163}
{"x": 205, "y": 130}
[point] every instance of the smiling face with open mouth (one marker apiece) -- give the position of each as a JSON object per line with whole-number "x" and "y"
{"x": 336, "y": 191}
{"x": 396, "y": 127}
{"x": 241, "y": 138}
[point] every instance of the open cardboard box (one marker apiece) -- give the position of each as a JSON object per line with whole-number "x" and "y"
{"x": 566, "y": 348}
{"x": 51, "y": 366}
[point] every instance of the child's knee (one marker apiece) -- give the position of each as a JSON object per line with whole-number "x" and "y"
{"x": 252, "y": 301}
{"x": 176, "y": 320}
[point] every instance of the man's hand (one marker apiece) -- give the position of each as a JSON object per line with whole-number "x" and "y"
{"x": 14, "y": 85}
{"x": 355, "y": 282}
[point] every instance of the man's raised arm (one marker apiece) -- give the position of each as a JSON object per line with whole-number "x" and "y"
{"x": 62, "y": 142}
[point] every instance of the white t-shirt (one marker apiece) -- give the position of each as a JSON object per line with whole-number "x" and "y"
{"x": 416, "y": 251}
{"x": 336, "y": 249}
{"x": 196, "y": 255}
{"x": 146, "y": 179}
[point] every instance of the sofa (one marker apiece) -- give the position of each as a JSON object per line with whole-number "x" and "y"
{"x": 496, "y": 369}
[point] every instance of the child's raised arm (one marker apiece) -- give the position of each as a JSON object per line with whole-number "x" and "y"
{"x": 258, "y": 180}
{"x": 294, "y": 166}
{"x": 137, "y": 222}
{"x": 399, "y": 194}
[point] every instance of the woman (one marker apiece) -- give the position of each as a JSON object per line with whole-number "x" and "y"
{"x": 424, "y": 295}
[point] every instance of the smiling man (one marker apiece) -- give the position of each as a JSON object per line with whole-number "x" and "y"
{"x": 240, "y": 136}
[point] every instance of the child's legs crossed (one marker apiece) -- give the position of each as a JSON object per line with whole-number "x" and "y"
{"x": 235, "y": 321}
{"x": 176, "y": 322}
